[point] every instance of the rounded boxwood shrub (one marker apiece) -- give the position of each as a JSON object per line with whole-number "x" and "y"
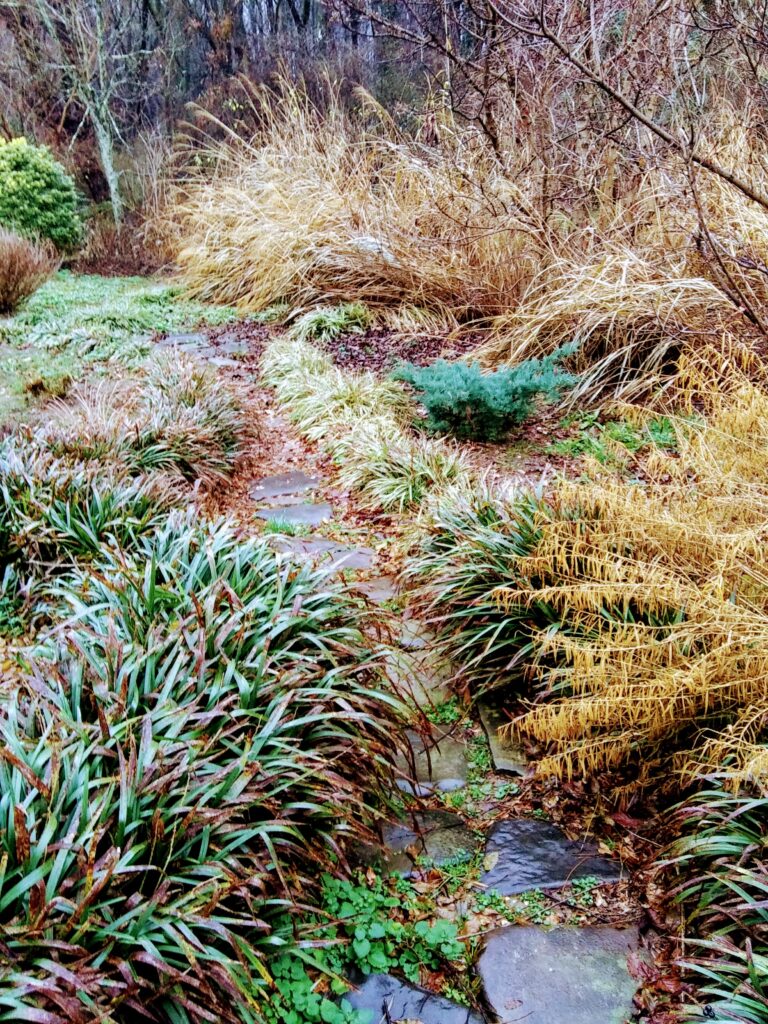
{"x": 37, "y": 196}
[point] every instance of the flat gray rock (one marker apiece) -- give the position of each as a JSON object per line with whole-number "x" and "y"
{"x": 437, "y": 837}
{"x": 186, "y": 340}
{"x": 388, "y": 999}
{"x": 415, "y": 636}
{"x": 304, "y": 514}
{"x": 223, "y": 362}
{"x": 379, "y": 590}
{"x": 440, "y": 763}
{"x": 293, "y": 482}
{"x": 507, "y": 756}
{"x": 421, "y": 676}
{"x": 529, "y": 854}
{"x": 341, "y": 556}
{"x": 563, "y": 976}
{"x": 230, "y": 345}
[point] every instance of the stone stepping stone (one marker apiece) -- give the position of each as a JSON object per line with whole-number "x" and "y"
{"x": 422, "y": 676}
{"x": 562, "y": 976}
{"x": 438, "y": 837}
{"x": 388, "y": 999}
{"x": 342, "y": 556}
{"x": 507, "y": 756}
{"x": 295, "y": 482}
{"x": 231, "y": 345}
{"x": 526, "y": 854}
{"x": 379, "y": 590}
{"x": 415, "y": 636}
{"x": 223, "y": 363}
{"x": 304, "y": 514}
{"x": 440, "y": 764}
{"x": 184, "y": 340}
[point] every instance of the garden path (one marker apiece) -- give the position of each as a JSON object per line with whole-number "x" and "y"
{"x": 574, "y": 973}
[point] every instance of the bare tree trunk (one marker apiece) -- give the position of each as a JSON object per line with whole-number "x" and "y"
{"x": 107, "y": 158}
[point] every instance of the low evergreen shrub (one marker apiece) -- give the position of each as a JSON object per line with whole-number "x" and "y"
{"x": 37, "y": 196}
{"x": 461, "y": 399}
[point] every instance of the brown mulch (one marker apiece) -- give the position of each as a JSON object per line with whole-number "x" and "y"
{"x": 381, "y": 350}
{"x": 255, "y": 334}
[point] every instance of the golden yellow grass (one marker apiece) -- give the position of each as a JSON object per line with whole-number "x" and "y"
{"x": 663, "y": 661}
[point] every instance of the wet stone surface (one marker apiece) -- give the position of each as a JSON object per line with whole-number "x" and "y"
{"x": 506, "y": 756}
{"x": 303, "y": 514}
{"x": 421, "y": 676}
{"x": 388, "y": 999}
{"x": 223, "y": 362}
{"x": 414, "y": 635}
{"x": 231, "y": 345}
{"x": 283, "y": 485}
{"x": 379, "y": 590}
{"x": 529, "y": 854}
{"x": 434, "y": 836}
{"x": 341, "y": 556}
{"x": 440, "y": 764}
{"x": 186, "y": 340}
{"x": 562, "y": 976}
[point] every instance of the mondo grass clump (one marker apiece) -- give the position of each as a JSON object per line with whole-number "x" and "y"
{"x": 641, "y": 607}
{"x": 469, "y": 541}
{"x": 196, "y": 742}
{"x": 175, "y": 416}
{"x": 720, "y": 856}
{"x": 53, "y": 510}
{"x": 105, "y": 468}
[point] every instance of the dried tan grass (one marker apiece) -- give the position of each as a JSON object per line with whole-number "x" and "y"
{"x": 24, "y": 266}
{"x": 630, "y": 320}
{"x": 662, "y": 657}
{"x": 323, "y": 208}
{"x": 327, "y": 208}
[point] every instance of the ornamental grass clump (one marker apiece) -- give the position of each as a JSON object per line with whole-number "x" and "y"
{"x": 198, "y": 740}
{"x": 363, "y": 424}
{"x": 24, "y": 266}
{"x": 330, "y": 322}
{"x": 105, "y": 468}
{"x": 391, "y": 470}
{"x": 328, "y": 204}
{"x": 469, "y": 539}
{"x": 53, "y": 510}
{"x": 176, "y": 416}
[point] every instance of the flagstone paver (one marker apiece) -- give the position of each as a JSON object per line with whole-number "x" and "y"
{"x": 559, "y": 976}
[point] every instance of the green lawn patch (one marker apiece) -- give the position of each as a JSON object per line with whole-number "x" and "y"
{"x": 74, "y": 323}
